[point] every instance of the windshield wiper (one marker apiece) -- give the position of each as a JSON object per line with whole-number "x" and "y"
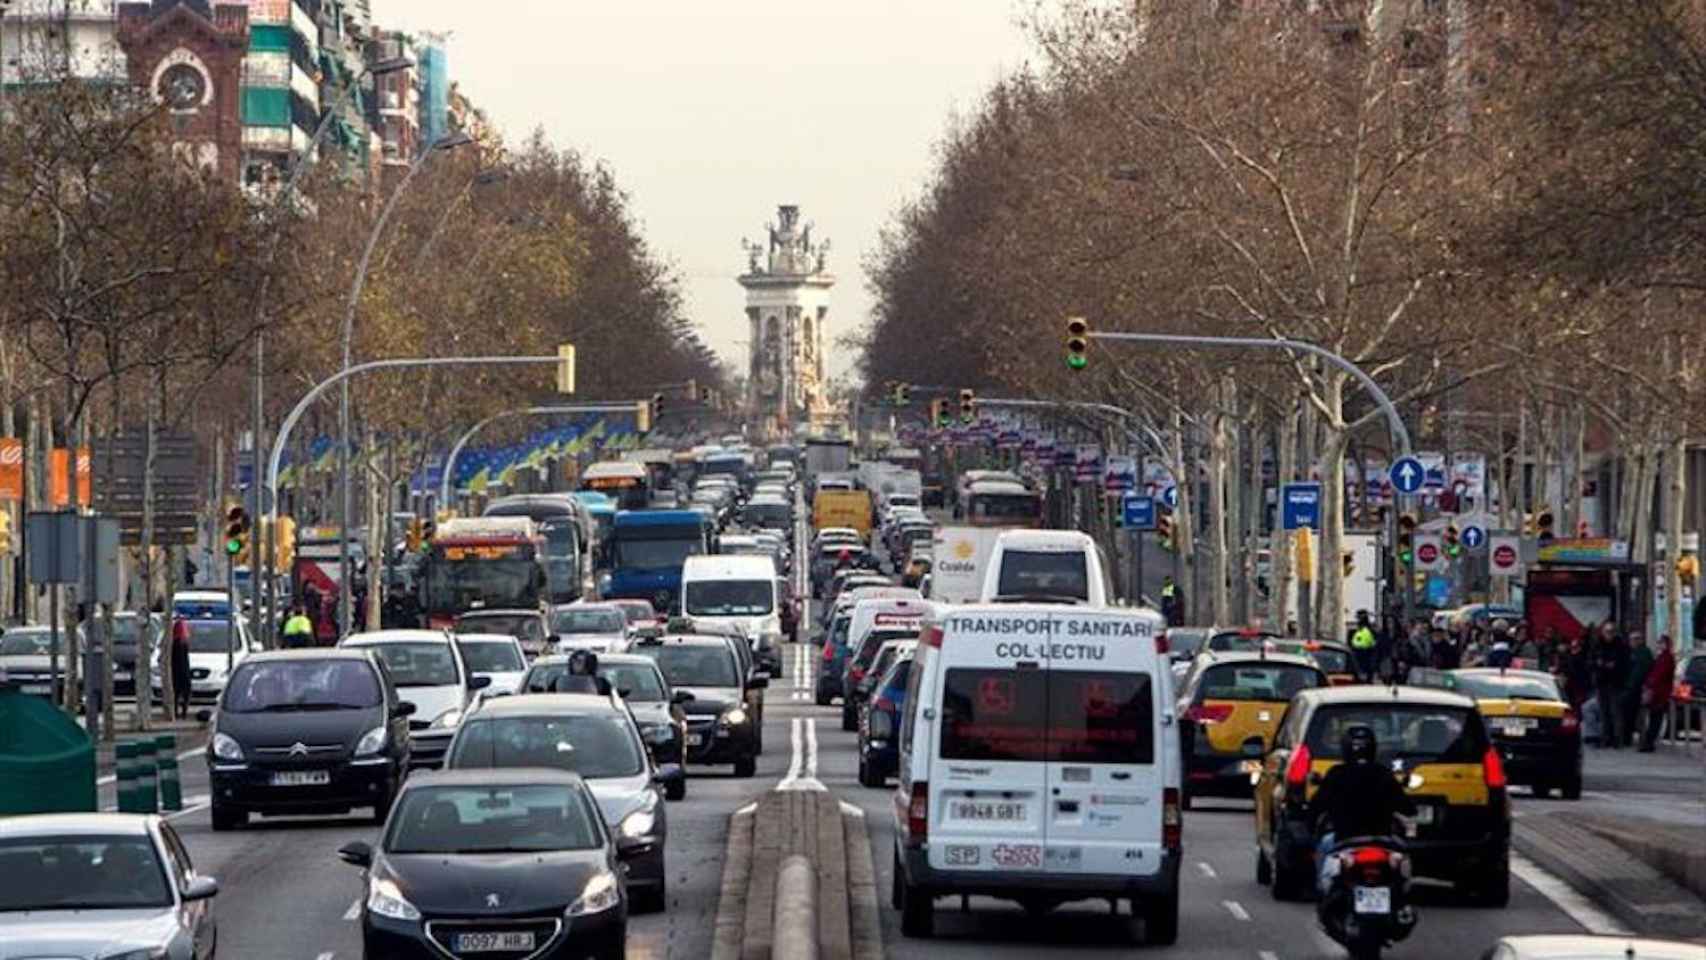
{"x": 1037, "y": 598}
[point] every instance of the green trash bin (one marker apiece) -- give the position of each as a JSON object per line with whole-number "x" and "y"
{"x": 124, "y": 775}
{"x": 147, "y": 780}
{"x": 47, "y": 762}
{"x": 166, "y": 758}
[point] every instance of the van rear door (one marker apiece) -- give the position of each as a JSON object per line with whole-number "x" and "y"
{"x": 1105, "y": 764}
{"x": 988, "y": 779}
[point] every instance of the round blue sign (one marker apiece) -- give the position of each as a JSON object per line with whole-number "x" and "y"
{"x": 1408, "y": 475}
{"x": 1170, "y": 497}
{"x": 1473, "y": 537}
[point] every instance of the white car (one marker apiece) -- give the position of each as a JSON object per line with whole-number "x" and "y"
{"x": 497, "y": 657}
{"x": 597, "y": 627}
{"x": 427, "y": 668}
{"x": 213, "y": 655}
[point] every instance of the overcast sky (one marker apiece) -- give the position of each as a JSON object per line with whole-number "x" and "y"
{"x": 712, "y": 113}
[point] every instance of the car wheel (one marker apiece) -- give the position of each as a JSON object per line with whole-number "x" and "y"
{"x": 651, "y": 899}
{"x": 1573, "y": 788}
{"x": 1289, "y": 882}
{"x": 225, "y": 818}
{"x": 917, "y": 912}
{"x": 382, "y": 806}
{"x": 675, "y": 789}
{"x": 1492, "y": 891}
{"x": 868, "y": 776}
{"x": 1161, "y": 920}
{"x": 746, "y": 768}
{"x": 615, "y": 949}
{"x": 849, "y": 719}
{"x": 1264, "y": 867}
{"x": 1542, "y": 791}
{"x": 824, "y": 700}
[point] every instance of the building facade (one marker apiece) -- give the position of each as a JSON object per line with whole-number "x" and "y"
{"x": 398, "y": 98}
{"x": 189, "y": 55}
{"x": 787, "y": 305}
{"x": 43, "y": 39}
{"x": 281, "y": 85}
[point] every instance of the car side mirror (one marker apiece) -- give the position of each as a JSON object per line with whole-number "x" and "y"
{"x": 554, "y": 639}
{"x": 760, "y": 680}
{"x": 881, "y": 725}
{"x": 479, "y": 683}
{"x": 203, "y": 715}
{"x": 356, "y": 853}
{"x": 681, "y": 696}
{"x": 403, "y": 709}
{"x": 1255, "y": 748}
{"x": 201, "y": 888}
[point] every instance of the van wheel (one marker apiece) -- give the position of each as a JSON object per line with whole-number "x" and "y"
{"x": 849, "y": 719}
{"x": 1161, "y": 920}
{"x": 917, "y": 912}
{"x": 1264, "y": 867}
{"x": 225, "y": 818}
{"x": 1573, "y": 788}
{"x": 746, "y": 768}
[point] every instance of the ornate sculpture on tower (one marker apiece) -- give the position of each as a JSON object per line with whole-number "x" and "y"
{"x": 787, "y": 295}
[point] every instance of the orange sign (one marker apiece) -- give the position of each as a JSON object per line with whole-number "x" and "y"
{"x": 57, "y": 493}
{"x": 11, "y": 468}
{"x": 85, "y": 476}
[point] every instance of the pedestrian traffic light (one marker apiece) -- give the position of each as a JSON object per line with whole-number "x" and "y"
{"x": 1453, "y": 545}
{"x": 5, "y": 532}
{"x": 236, "y": 531}
{"x": 1543, "y": 523}
{"x": 968, "y": 406}
{"x": 1077, "y": 343}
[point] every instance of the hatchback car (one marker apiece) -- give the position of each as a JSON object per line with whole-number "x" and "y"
{"x": 214, "y": 651}
{"x": 428, "y": 670}
{"x": 27, "y": 659}
{"x": 500, "y": 863}
{"x": 527, "y": 626}
{"x": 1228, "y": 705}
{"x": 598, "y": 627}
{"x": 879, "y": 729}
{"x": 108, "y": 885}
{"x": 639, "y": 683}
{"x": 1538, "y": 733}
{"x": 722, "y": 727}
{"x": 497, "y": 657}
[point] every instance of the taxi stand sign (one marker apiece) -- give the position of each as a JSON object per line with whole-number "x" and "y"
{"x": 1138, "y": 512}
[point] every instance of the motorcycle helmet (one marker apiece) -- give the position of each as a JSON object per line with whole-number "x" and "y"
{"x": 1359, "y": 745}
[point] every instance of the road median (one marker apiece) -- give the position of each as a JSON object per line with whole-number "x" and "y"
{"x": 1608, "y": 867}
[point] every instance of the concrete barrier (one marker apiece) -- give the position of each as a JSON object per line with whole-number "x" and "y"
{"x": 794, "y": 929}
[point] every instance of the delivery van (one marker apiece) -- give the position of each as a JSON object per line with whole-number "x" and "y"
{"x": 1039, "y": 763}
{"x": 1048, "y": 566}
{"x": 843, "y": 508}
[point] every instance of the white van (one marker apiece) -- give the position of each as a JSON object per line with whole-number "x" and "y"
{"x": 737, "y": 590}
{"x": 1048, "y": 566}
{"x": 1039, "y": 763}
{"x": 874, "y": 622}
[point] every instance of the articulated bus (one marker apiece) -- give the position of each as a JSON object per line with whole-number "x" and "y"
{"x": 1003, "y": 503}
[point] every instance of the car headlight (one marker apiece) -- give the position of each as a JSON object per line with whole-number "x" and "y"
{"x": 600, "y": 894}
{"x": 372, "y": 742}
{"x": 447, "y": 719}
{"x": 659, "y": 734}
{"x": 733, "y": 718}
{"x": 226, "y": 747}
{"x": 385, "y": 899}
{"x": 141, "y": 953}
{"x": 638, "y": 824}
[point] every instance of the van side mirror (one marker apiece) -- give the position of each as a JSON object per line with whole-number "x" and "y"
{"x": 1254, "y": 748}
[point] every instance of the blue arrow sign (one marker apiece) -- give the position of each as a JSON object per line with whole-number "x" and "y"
{"x": 1408, "y": 475}
{"x": 1300, "y": 506}
{"x": 1139, "y": 512}
{"x": 1473, "y": 537}
{"x": 1170, "y": 497}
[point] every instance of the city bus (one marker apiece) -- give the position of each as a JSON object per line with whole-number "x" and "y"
{"x": 483, "y": 563}
{"x": 629, "y": 484}
{"x": 1003, "y": 503}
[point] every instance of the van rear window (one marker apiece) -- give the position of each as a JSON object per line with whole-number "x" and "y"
{"x": 1034, "y": 573}
{"x": 1061, "y": 716}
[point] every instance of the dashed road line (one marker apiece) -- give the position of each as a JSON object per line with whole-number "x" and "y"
{"x": 353, "y": 911}
{"x": 328, "y": 955}
{"x": 1266, "y": 955}
{"x": 1207, "y": 870}
{"x": 1236, "y": 909}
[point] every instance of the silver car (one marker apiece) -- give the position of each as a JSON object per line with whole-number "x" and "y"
{"x": 102, "y": 885}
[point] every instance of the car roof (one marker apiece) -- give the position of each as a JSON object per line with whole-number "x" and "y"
{"x": 503, "y": 638}
{"x": 310, "y": 653}
{"x": 604, "y": 659}
{"x": 1368, "y": 693}
{"x": 496, "y": 612}
{"x": 1501, "y": 672}
{"x": 1250, "y": 656}
{"x": 609, "y": 606}
{"x": 376, "y": 637}
{"x": 547, "y": 704}
{"x": 1572, "y": 946}
{"x": 494, "y": 776}
{"x": 686, "y": 640}
{"x": 83, "y": 824}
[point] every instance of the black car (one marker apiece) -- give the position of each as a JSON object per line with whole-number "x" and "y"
{"x": 306, "y": 731}
{"x": 127, "y": 634}
{"x": 493, "y": 863}
{"x": 722, "y": 727}
{"x": 655, "y": 706}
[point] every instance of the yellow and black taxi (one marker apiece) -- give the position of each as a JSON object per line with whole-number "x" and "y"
{"x": 1435, "y": 742}
{"x": 1334, "y": 659}
{"x": 1228, "y": 701}
{"x": 1537, "y": 733}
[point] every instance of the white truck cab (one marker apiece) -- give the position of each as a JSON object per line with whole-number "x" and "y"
{"x": 1039, "y": 763}
{"x": 1047, "y": 566}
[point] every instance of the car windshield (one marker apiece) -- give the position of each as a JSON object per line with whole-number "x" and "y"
{"x": 695, "y": 666}
{"x": 494, "y": 819}
{"x": 656, "y": 554}
{"x": 212, "y": 636}
{"x": 81, "y": 872}
{"x": 636, "y": 682}
{"x": 492, "y": 656}
{"x": 19, "y": 643}
{"x": 1264, "y": 682}
{"x": 634, "y": 611}
{"x": 726, "y": 598}
{"x": 1027, "y": 573}
{"x": 289, "y": 685}
{"x": 589, "y": 620}
{"x": 127, "y": 631}
{"x": 1185, "y": 643}
{"x": 418, "y": 664}
{"x": 521, "y": 626}
{"x": 592, "y": 745}
{"x": 1487, "y": 686}
{"x": 1417, "y": 732}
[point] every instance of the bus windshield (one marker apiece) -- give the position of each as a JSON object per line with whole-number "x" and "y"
{"x": 656, "y": 554}
{"x": 1005, "y": 510}
{"x": 468, "y": 582}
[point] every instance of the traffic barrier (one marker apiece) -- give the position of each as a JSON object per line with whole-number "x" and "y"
{"x": 171, "y": 788}
{"x": 124, "y": 776}
{"x": 1687, "y": 726}
{"x": 794, "y": 934}
{"x": 147, "y": 779}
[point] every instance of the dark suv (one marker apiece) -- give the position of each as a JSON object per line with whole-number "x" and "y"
{"x": 307, "y": 731}
{"x": 722, "y": 726}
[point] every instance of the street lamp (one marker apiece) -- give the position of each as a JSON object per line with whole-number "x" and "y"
{"x": 442, "y": 145}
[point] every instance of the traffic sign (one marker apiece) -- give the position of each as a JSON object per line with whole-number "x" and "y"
{"x": 1473, "y": 537}
{"x": 1170, "y": 496}
{"x": 1504, "y": 555}
{"x": 1139, "y": 512}
{"x": 1429, "y": 554}
{"x": 1408, "y": 475}
{"x": 1300, "y": 506}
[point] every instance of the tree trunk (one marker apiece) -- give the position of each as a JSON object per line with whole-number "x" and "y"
{"x": 1330, "y": 571}
{"x": 144, "y": 659}
{"x": 1218, "y": 429}
{"x": 1646, "y": 483}
{"x": 1676, "y": 465}
{"x": 1253, "y": 502}
{"x": 1280, "y": 588}
{"x": 1184, "y": 531}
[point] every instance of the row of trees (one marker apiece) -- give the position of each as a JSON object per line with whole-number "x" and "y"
{"x": 1495, "y": 213}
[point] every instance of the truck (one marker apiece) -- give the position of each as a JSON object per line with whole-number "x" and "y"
{"x": 647, "y": 551}
{"x": 1362, "y": 590}
{"x": 482, "y": 563}
{"x": 961, "y": 562}
{"x": 828, "y": 455}
{"x": 842, "y": 508}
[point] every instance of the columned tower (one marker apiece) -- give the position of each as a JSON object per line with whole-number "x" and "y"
{"x": 787, "y": 303}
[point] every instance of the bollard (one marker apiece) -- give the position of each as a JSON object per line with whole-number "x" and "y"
{"x": 166, "y": 756}
{"x": 794, "y": 930}
{"x": 124, "y": 775}
{"x": 147, "y": 783}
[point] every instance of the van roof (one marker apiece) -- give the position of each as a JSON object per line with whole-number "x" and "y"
{"x": 983, "y": 617}
{"x": 613, "y": 468}
{"x": 1046, "y": 541}
{"x": 1001, "y": 486}
{"x": 724, "y": 566}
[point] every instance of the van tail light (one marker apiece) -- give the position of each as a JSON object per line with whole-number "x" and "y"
{"x": 1297, "y": 771}
{"x": 1207, "y": 713}
{"x": 1172, "y": 820}
{"x": 828, "y": 652}
{"x": 933, "y": 636}
{"x": 857, "y": 673}
{"x": 1571, "y": 723}
{"x": 1493, "y": 767}
{"x": 1161, "y": 645}
{"x": 884, "y": 704}
{"x": 918, "y": 814}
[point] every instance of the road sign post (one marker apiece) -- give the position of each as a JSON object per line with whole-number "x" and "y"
{"x": 1138, "y": 513}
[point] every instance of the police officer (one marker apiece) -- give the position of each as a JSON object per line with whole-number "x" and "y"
{"x": 298, "y": 629}
{"x": 1363, "y": 643}
{"x": 1172, "y": 605}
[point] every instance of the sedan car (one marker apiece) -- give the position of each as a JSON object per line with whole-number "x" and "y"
{"x": 501, "y": 863}
{"x": 214, "y": 652}
{"x": 108, "y": 885}
{"x": 26, "y": 659}
{"x": 429, "y": 672}
{"x": 596, "y": 738}
{"x": 722, "y": 720}
{"x": 497, "y": 657}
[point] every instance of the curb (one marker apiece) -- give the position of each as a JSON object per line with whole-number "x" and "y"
{"x": 731, "y": 898}
{"x": 862, "y": 887}
{"x": 1641, "y": 899}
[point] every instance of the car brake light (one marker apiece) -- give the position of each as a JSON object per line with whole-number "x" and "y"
{"x": 1207, "y": 713}
{"x": 918, "y": 814}
{"x": 1161, "y": 646}
{"x": 1297, "y": 771}
{"x": 828, "y": 652}
{"x": 1571, "y": 722}
{"x": 883, "y": 703}
{"x": 1172, "y": 821}
{"x": 1493, "y": 767}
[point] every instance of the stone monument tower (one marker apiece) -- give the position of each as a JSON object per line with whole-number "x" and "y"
{"x": 787, "y": 303}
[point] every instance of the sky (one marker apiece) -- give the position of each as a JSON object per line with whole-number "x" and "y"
{"x": 713, "y": 112}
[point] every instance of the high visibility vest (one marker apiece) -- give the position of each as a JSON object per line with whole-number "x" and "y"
{"x": 1167, "y": 591}
{"x": 299, "y": 625}
{"x": 1363, "y": 639}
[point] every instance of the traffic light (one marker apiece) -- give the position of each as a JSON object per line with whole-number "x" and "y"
{"x": 1350, "y": 562}
{"x": 645, "y": 411}
{"x": 968, "y": 406}
{"x": 692, "y": 393}
{"x": 284, "y": 543}
{"x": 236, "y": 532}
{"x": 1164, "y": 529}
{"x": 1543, "y": 523}
{"x": 1406, "y": 538}
{"x": 657, "y": 408}
{"x": 415, "y": 536}
{"x": 1077, "y": 343}
{"x": 902, "y": 394}
{"x": 1453, "y": 546}
{"x": 938, "y": 413}
{"x": 1687, "y": 568}
{"x": 5, "y": 531}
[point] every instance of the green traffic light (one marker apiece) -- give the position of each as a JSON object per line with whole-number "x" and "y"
{"x": 1077, "y": 361}
{"x": 233, "y": 546}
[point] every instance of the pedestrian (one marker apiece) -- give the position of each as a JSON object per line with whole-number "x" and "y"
{"x": 1363, "y": 647}
{"x": 1610, "y": 665}
{"x": 1524, "y": 647}
{"x": 1578, "y": 669}
{"x": 1634, "y": 686}
{"x": 1498, "y": 653}
{"x": 1171, "y": 605}
{"x": 181, "y": 668}
{"x": 1439, "y": 648}
{"x": 1655, "y": 695}
{"x": 1551, "y": 650}
{"x": 298, "y": 629}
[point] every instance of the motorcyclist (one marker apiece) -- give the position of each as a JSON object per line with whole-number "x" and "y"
{"x": 582, "y": 676}
{"x": 1357, "y": 798}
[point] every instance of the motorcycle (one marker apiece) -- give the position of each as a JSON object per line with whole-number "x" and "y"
{"x": 1365, "y": 904}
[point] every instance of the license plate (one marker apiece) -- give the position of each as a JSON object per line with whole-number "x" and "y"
{"x": 301, "y": 778}
{"x": 34, "y": 689}
{"x": 1373, "y": 900}
{"x": 483, "y": 942}
{"x": 1424, "y": 814}
{"x": 695, "y": 739}
{"x": 1516, "y": 726}
{"x": 986, "y": 810}
{"x": 122, "y": 675}
{"x": 962, "y": 855}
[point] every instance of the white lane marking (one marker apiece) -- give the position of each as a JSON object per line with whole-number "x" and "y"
{"x": 113, "y": 777}
{"x": 748, "y": 808}
{"x": 1207, "y": 870}
{"x": 325, "y": 956}
{"x": 810, "y": 724}
{"x": 802, "y": 765}
{"x": 1565, "y": 898}
{"x": 1236, "y": 909}
{"x": 1266, "y": 955}
{"x": 795, "y": 737}
{"x": 353, "y": 911}
{"x": 848, "y": 809}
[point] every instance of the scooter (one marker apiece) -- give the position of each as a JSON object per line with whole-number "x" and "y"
{"x": 1366, "y": 904}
